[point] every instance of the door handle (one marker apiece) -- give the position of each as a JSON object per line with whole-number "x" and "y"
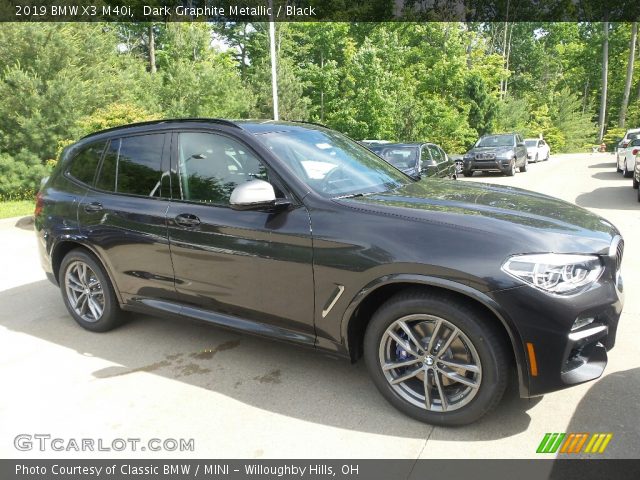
{"x": 92, "y": 207}
{"x": 187, "y": 220}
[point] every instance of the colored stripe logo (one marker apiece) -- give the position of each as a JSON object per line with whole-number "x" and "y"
{"x": 574, "y": 442}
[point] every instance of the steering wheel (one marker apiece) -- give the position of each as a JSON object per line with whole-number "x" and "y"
{"x": 329, "y": 181}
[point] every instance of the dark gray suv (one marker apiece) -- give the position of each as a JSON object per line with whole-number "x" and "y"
{"x": 504, "y": 153}
{"x": 294, "y": 232}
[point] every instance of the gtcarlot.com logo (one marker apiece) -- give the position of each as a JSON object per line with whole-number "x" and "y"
{"x": 574, "y": 442}
{"x": 44, "y": 442}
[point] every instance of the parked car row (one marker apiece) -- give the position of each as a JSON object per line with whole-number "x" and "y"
{"x": 506, "y": 153}
{"x": 628, "y": 157}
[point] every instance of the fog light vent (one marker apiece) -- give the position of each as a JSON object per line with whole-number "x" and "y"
{"x": 581, "y": 322}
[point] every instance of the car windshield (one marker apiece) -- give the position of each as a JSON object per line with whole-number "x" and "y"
{"x": 531, "y": 143}
{"x": 400, "y": 157}
{"x": 331, "y": 164}
{"x": 496, "y": 141}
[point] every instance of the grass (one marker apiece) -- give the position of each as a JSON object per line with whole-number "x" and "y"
{"x": 16, "y": 208}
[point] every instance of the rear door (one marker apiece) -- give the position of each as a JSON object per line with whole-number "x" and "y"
{"x": 123, "y": 215}
{"x": 254, "y": 265}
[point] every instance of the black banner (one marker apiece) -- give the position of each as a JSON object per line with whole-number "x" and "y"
{"x": 318, "y": 10}
{"x": 320, "y": 469}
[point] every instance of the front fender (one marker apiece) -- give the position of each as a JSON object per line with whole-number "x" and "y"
{"x": 485, "y": 300}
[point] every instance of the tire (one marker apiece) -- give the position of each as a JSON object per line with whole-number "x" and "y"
{"x": 536, "y": 160}
{"x": 525, "y": 166}
{"x": 512, "y": 169}
{"x": 618, "y": 169}
{"x": 636, "y": 184}
{"x": 74, "y": 286}
{"x": 625, "y": 172}
{"x": 467, "y": 173}
{"x": 477, "y": 345}
{"x": 639, "y": 195}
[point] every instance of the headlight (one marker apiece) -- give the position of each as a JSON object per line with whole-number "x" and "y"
{"x": 555, "y": 273}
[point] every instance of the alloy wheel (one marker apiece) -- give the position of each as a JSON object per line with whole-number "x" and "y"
{"x": 430, "y": 363}
{"x": 84, "y": 291}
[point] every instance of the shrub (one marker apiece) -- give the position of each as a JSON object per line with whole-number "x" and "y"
{"x": 20, "y": 176}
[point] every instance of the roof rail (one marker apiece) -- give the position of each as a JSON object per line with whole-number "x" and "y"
{"x": 310, "y": 123}
{"x": 218, "y": 121}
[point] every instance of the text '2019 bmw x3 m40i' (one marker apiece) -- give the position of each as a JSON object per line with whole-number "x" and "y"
{"x": 293, "y": 231}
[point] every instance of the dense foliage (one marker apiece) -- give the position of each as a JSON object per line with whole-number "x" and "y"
{"x": 443, "y": 82}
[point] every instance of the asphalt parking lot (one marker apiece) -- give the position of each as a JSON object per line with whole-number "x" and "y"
{"x": 244, "y": 397}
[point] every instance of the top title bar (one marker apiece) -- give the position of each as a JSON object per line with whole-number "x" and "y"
{"x": 319, "y": 10}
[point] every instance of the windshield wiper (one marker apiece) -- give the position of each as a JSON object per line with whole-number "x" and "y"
{"x": 354, "y": 195}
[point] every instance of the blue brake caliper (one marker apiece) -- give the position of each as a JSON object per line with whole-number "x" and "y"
{"x": 401, "y": 353}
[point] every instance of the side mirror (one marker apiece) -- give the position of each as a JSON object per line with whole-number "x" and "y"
{"x": 255, "y": 195}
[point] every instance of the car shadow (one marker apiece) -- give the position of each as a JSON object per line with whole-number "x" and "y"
{"x": 612, "y": 175}
{"x": 611, "y": 405}
{"x": 278, "y": 377}
{"x": 25, "y": 223}
{"x": 610, "y": 198}
{"x": 604, "y": 165}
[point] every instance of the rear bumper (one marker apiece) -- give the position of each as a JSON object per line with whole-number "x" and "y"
{"x": 563, "y": 357}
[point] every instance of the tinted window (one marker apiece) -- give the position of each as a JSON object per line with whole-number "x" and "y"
{"x": 436, "y": 153}
{"x": 133, "y": 165}
{"x": 210, "y": 166}
{"x": 84, "y": 164}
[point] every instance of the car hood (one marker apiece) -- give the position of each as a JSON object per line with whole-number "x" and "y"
{"x": 542, "y": 222}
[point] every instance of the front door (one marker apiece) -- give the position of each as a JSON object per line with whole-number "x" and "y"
{"x": 253, "y": 265}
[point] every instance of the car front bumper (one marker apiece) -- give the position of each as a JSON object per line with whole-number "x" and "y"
{"x": 490, "y": 165}
{"x": 556, "y": 356}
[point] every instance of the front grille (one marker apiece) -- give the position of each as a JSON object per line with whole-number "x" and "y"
{"x": 619, "y": 253}
{"x": 485, "y": 156}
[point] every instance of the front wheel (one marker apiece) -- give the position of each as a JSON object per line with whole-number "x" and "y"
{"x": 467, "y": 173}
{"x": 436, "y": 361}
{"x": 87, "y": 292}
{"x": 636, "y": 184}
{"x": 512, "y": 168}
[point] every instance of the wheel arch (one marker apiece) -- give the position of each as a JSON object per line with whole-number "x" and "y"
{"x": 358, "y": 314}
{"x": 65, "y": 245}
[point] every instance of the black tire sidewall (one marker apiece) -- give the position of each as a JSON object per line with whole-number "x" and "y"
{"x": 110, "y": 314}
{"x": 491, "y": 352}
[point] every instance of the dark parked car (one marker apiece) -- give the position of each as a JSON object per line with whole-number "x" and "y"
{"x": 417, "y": 159}
{"x": 294, "y": 232}
{"x": 497, "y": 153}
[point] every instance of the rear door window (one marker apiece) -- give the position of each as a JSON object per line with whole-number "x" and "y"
{"x": 84, "y": 164}
{"x": 133, "y": 165}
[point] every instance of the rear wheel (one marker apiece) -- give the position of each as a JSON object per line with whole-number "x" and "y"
{"x": 87, "y": 292}
{"x": 536, "y": 159}
{"x": 625, "y": 171}
{"x": 434, "y": 360}
{"x": 524, "y": 167}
